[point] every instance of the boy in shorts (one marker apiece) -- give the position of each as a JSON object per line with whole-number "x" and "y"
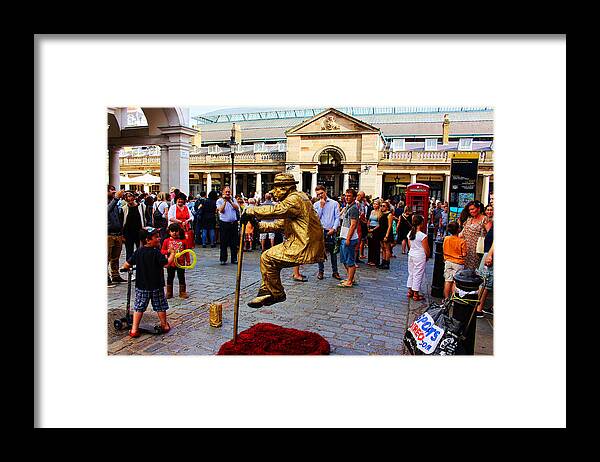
{"x": 149, "y": 279}
{"x": 455, "y": 251}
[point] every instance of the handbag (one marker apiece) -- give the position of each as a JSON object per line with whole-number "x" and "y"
{"x": 480, "y": 241}
{"x": 329, "y": 242}
{"x": 190, "y": 243}
{"x": 336, "y": 247}
{"x": 480, "y": 245}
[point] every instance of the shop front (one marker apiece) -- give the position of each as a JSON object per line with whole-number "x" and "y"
{"x": 394, "y": 186}
{"x": 435, "y": 183}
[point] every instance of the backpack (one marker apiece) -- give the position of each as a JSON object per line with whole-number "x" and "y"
{"x": 158, "y": 218}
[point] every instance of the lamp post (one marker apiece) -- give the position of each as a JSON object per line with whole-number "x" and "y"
{"x": 232, "y": 154}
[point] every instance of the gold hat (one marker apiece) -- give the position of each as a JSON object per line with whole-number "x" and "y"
{"x": 284, "y": 179}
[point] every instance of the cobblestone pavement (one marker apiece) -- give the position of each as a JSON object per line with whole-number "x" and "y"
{"x": 369, "y": 319}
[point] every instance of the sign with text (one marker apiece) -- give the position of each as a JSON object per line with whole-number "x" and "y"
{"x": 463, "y": 181}
{"x": 426, "y": 333}
{"x": 430, "y": 177}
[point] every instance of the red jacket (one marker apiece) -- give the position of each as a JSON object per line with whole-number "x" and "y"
{"x": 179, "y": 245}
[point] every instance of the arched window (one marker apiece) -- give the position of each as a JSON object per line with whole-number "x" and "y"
{"x": 330, "y": 157}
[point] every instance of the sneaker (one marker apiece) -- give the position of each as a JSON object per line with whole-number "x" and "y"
{"x": 489, "y": 310}
{"x": 116, "y": 279}
{"x": 479, "y": 314}
{"x": 320, "y": 275}
{"x": 223, "y": 263}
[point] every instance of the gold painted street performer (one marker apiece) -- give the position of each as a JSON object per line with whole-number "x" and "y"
{"x": 295, "y": 216}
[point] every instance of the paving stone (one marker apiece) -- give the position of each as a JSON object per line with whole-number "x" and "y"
{"x": 353, "y": 327}
{"x": 369, "y": 319}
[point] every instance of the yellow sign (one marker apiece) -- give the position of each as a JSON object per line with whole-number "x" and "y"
{"x": 463, "y": 155}
{"x": 430, "y": 178}
{"x": 397, "y": 177}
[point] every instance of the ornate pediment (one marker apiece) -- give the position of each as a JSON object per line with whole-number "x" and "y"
{"x": 331, "y": 121}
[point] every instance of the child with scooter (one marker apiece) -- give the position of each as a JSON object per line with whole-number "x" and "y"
{"x": 149, "y": 279}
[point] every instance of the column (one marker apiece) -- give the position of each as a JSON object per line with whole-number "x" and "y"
{"x": 447, "y": 187}
{"x": 259, "y": 184}
{"x": 164, "y": 168}
{"x": 485, "y": 191}
{"x": 313, "y": 184}
{"x": 245, "y": 184}
{"x": 113, "y": 166}
{"x": 299, "y": 186}
{"x": 346, "y": 183}
{"x": 379, "y": 185}
{"x": 179, "y": 167}
{"x": 175, "y": 161}
{"x": 413, "y": 177}
{"x": 208, "y": 182}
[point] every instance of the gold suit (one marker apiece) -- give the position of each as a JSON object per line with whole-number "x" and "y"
{"x": 304, "y": 243}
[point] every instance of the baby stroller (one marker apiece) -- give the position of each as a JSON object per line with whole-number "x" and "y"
{"x": 127, "y": 320}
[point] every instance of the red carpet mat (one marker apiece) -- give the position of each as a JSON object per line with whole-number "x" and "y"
{"x": 268, "y": 339}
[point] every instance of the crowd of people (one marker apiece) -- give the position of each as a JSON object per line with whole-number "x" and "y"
{"x": 353, "y": 224}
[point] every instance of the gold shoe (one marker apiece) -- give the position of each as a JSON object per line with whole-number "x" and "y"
{"x": 259, "y": 301}
{"x": 265, "y": 300}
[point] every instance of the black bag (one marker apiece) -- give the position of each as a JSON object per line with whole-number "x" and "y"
{"x": 330, "y": 243}
{"x": 159, "y": 220}
{"x": 436, "y": 333}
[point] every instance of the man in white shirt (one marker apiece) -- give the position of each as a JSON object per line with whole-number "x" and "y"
{"x": 329, "y": 214}
{"x": 228, "y": 209}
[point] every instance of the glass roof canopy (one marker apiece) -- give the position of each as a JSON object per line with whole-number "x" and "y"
{"x": 353, "y": 111}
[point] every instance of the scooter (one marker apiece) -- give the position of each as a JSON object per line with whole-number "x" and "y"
{"x": 128, "y": 318}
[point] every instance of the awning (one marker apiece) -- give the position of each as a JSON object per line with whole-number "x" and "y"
{"x": 146, "y": 178}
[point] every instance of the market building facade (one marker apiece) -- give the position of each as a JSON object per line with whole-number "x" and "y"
{"x": 377, "y": 150}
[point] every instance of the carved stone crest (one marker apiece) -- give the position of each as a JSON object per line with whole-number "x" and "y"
{"x": 329, "y": 124}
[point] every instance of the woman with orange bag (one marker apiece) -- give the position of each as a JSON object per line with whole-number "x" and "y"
{"x": 180, "y": 213}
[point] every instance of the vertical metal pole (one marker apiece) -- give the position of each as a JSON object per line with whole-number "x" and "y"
{"x": 232, "y": 173}
{"x": 237, "y": 283}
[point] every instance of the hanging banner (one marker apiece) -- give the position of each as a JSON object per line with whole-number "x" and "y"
{"x": 463, "y": 181}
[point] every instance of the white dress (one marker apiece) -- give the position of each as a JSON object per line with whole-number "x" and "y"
{"x": 416, "y": 261}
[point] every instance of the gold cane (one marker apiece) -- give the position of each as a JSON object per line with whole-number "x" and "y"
{"x": 237, "y": 282}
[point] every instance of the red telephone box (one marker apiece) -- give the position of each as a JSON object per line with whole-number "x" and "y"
{"x": 417, "y": 198}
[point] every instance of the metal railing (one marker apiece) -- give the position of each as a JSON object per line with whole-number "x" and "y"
{"x": 204, "y": 158}
{"x": 430, "y": 156}
{"x": 486, "y": 157}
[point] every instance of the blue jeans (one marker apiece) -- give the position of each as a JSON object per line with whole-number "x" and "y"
{"x": 332, "y": 256}
{"x": 198, "y": 231}
{"x": 205, "y": 232}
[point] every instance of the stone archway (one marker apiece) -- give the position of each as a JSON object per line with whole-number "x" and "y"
{"x": 168, "y": 128}
{"x": 330, "y": 162}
